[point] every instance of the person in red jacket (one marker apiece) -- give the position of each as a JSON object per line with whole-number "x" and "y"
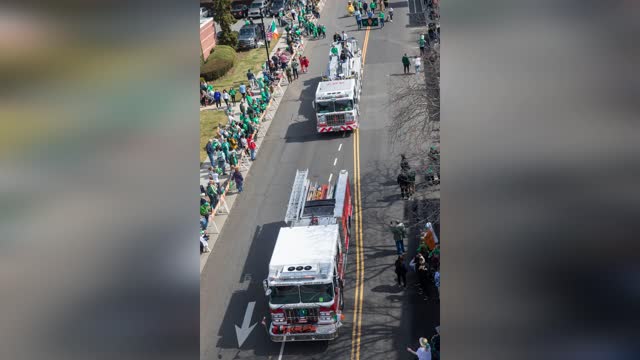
{"x": 304, "y": 62}
{"x": 252, "y": 148}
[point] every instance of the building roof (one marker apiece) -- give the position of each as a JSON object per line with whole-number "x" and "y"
{"x": 205, "y": 22}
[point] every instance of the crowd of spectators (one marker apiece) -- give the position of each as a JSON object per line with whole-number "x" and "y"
{"x": 237, "y": 138}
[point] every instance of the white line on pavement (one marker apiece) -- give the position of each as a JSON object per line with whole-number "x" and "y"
{"x": 340, "y": 147}
{"x": 330, "y": 177}
{"x": 335, "y": 161}
{"x": 282, "y": 348}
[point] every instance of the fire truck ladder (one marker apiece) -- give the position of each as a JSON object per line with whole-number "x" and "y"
{"x": 298, "y": 195}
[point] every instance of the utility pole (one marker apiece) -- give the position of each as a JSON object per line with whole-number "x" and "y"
{"x": 264, "y": 33}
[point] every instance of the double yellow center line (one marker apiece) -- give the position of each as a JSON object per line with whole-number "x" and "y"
{"x": 359, "y": 289}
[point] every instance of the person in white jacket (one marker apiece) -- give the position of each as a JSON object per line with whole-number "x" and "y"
{"x": 417, "y": 61}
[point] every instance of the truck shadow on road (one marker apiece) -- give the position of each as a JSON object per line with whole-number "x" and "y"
{"x": 254, "y": 271}
{"x": 257, "y": 342}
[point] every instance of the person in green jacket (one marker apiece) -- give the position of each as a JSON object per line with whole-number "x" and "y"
{"x": 232, "y": 94}
{"x": 406, "y": 63}
{"x": 422, "y": 42}
{"x": 381, "y": 19}
{"x": 373, "y": 6}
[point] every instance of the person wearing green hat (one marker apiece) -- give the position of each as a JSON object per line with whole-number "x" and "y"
{"x": 424, "y": 351}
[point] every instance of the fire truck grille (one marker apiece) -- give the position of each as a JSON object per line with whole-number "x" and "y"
{"x": 302, "y": 316}
{"x": 335, "y": 119}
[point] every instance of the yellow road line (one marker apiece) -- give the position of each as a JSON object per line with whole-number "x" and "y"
{"x": 359, "y": 289}
{"x": 361, "y": 251}
{"x": 356, "y": 215}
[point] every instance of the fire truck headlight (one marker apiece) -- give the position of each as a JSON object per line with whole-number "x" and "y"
{"x": 349, "y": 117}
{"x": 322, "y": 119}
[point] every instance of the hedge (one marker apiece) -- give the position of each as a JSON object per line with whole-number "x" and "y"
{"x": 218, "y": 63}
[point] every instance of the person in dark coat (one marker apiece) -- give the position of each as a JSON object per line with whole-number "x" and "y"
{"x": 403, "y": 182}
{"x": 401, "y": 271}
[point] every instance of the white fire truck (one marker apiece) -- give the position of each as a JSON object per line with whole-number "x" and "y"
{"x": 306, "y": 272}
{"x": 338, "y": 94}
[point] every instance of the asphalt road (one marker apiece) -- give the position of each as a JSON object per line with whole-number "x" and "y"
{"x": 392, "y": 318}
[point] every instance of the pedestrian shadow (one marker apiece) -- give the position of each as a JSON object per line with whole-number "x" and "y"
{"x": 399, "y": 74}
{"x": 392, "y": 289}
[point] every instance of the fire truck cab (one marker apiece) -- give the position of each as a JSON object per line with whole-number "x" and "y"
{"x": 338, "y": 94}
{"x": 306, "y": 271}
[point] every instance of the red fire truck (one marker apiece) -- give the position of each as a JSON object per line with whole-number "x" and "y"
{"x": 306, "y": 272}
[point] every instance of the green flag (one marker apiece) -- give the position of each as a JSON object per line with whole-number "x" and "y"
{"x": 274, "y": 26}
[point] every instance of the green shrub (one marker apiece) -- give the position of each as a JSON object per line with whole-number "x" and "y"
{"x": 218, "y": 63}
{"x": 230, "y": 39}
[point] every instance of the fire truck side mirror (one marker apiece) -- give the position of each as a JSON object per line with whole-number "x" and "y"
{"x": 265, "y": 285}
{"x": 313, "y": 104}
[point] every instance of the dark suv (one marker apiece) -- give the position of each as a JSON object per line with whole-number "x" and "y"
{"x": 277, "y": 6}
{"x": 249, "y": 36}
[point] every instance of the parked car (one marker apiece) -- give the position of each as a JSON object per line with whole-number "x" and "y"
{"x": 249, "y": 36}
{"x": 206, "y": 12}
{"x": 257, "y": 8}
{"x": 277, "y": 6}
{"x": 238, "y": 10}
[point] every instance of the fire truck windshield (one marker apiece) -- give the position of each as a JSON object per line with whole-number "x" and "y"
{"x": 344, "y": 105}
{"x": 324, "y": 107}
{"x": 281, "y": 295}
{"x": 316, "y": 293}
{"x": 285, "y": 295}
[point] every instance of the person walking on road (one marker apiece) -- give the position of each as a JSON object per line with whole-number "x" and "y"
{"x": 422, "y": 42}
{"x": 358, "y": 19}
{"x": 305, "y": 64}
{"x": 403, "y": 182}
{"x": 381, "y": 19}
{"x": 237, "y": 177}
{"x": 417, "y": 61}
{"x": 390, "y": 14}
{"x": 401, "y": 271}
{"x": 398, "y": 230}
{"x": 424, "y": 351}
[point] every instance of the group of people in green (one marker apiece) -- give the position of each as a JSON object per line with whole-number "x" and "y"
{"x": 362, "y": 9}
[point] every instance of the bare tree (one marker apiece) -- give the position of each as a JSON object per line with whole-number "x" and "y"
{"x": 415, "y": 100}
{"x": 415, "y": 131}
